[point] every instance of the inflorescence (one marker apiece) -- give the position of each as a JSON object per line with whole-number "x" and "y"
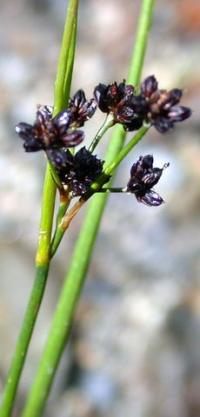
{"x": 143, "y": 176}
{"x": 77, "y": 171}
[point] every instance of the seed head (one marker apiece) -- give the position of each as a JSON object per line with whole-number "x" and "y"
{"x": 163, "y": 110}
{"x": 120, "y": 100}
{"x": 78, "y": 171}
{"x": 143, "y": 177}
{"x": 48, "y": 132}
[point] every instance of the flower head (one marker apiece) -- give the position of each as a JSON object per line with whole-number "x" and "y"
{"x": 120, "y": 100}
{"x": 163, "y": 110}
{"x": 78, "y": 171}
{"x": 143, "y": 177}
{"x": 81, "y": 109}
{"x": 49, "y": 132}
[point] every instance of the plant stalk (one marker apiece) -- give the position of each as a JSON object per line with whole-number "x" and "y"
{"x": 109, "y": 168}
{"x": 103, "y": 129}
{"x": 47, "y": 213}
{"x": 64, "y": 204}
{"x": 62, "y": 321}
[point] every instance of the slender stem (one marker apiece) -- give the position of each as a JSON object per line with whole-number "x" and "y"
{"x": 48, "y": 203}
{"x": 43, "y": 250}
{"x": 65, "y": 67}
{"x": 23, "y": 341}
{"x": 103, "y": 129}
{"x": 70, "y": 60}
{"x": 64, "y": 223}
{"x": 62, "y": 321}
{"x": 60, "y": 331}
{"x": 111, "y": 190}
{"x": 143, "y": 28}
{"x": 42, "y": 267}
{"x": 64, "y": 204}
{"x": 66, "y": 220}
{"x": 110, "y": 168}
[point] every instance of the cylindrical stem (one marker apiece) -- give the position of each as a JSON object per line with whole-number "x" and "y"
{"x": 61, "y": 324}
{"x": 64, "y": 204}
{"x": 109, "y": 169}
{"x": 64, "y": 224}
{"x": 48, "y": 203}
{"x": 103, "y": 129}
{"x": 64, "y": 66}
{"x": 143, "y": 28}
{"x": 42, "y": 267}
{"x": 111, "y": 190}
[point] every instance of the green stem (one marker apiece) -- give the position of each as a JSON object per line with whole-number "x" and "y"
{"x": 112, "y": 190}
{"x": 58, "y": 234}
{"x": 109, "y": 168}
{"x": 64, "y": 224}
{"x": 70, "y": 60}
{"x": 23, "y": 340}
{"x": 44, "y": 241}
{"x": 143, "y": 28}
{"x": 42, "y": 267}
{"x": 62, "y": 321}
{"x": 103, "y": 129}
{"x": 46, "y": 222}
{"x": 65, "y": 66}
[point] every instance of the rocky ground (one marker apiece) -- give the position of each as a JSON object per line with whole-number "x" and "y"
{"x": 134, "y": 348}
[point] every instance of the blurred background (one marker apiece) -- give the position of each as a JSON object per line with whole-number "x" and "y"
{"x": 134, "y": 348}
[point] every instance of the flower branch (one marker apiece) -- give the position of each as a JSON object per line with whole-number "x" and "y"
{"x": 109, "y": 122}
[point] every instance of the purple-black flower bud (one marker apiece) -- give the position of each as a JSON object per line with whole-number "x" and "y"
{"x": 150, "y": 198}
{"x": 62, "y": 160}
{"x": 149, "y": 86}
{"x": 27, "y": 133}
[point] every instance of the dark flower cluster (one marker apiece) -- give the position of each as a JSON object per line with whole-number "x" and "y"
{"x": 120, "y": 100}
{"x": 143, "y": 177}
{"x": 77, "y": 171}
{"x": 50, "y": 132}
{"x": 56, "y": 134}
{"x": 163, "y": 110}
{"x": 154, "y": 106}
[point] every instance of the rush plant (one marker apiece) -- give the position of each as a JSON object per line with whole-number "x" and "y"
{"x": 77, "y": 174}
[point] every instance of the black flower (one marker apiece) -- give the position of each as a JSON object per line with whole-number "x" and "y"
{"x": 120, "y": 100}
{"x": 49, "y": 132}
{"x": 163, "y": 110}
{"x": 143, "y": 178}
{"x": 78, "y": 171}
{"x": 81, "y": 109}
